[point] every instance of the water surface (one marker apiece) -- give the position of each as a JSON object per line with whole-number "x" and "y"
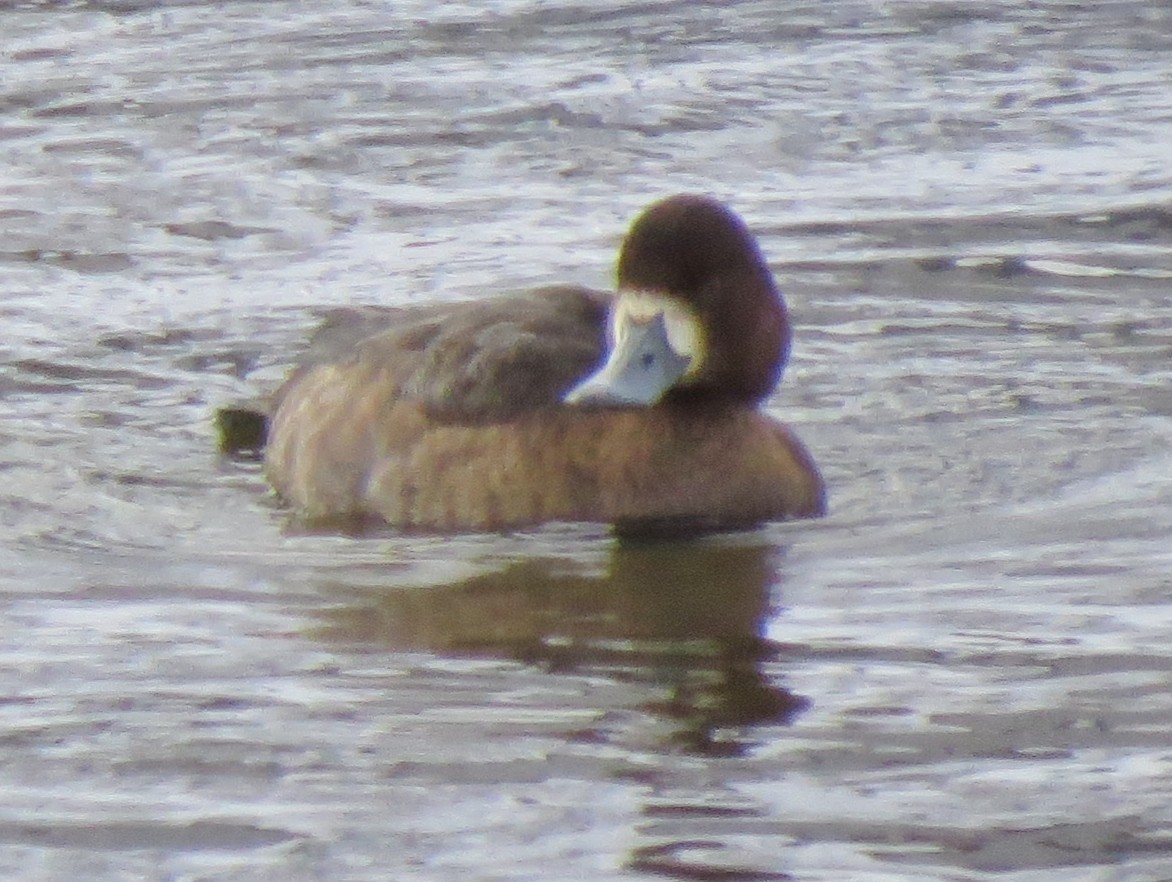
{"x": 962, "y": 673}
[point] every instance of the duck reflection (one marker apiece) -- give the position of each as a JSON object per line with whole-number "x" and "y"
{"x": 684, "y": 617}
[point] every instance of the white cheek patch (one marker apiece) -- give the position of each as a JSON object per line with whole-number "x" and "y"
{"x": 685, "y": 335}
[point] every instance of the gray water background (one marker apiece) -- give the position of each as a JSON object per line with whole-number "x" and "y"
{"x": 963, "y": 673}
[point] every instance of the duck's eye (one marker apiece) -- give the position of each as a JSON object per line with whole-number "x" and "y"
{"x": 648, "y": 360}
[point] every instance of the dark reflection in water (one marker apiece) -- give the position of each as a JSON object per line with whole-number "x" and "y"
{"x": 686, "y": 617}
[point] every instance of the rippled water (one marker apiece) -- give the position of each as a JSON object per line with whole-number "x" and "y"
{"x": 962, "y": 673}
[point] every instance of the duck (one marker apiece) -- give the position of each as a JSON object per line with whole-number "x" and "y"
{"x": 639, "y": 408}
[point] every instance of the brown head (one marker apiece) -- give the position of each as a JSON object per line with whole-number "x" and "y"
{"x": 697, "y": 313}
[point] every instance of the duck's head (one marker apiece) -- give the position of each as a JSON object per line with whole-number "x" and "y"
{"x": 696, "y": 314}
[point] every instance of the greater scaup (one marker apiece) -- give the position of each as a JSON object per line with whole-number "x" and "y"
{"x": 638, "y": 409}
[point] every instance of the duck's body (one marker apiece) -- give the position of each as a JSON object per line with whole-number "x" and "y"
{"x": 486, "y": 416}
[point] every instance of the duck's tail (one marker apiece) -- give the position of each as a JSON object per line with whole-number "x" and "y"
{"x": 242, "y": 429}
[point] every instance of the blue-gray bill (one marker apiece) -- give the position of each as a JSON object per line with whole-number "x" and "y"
{"x": 641, "y": 367}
